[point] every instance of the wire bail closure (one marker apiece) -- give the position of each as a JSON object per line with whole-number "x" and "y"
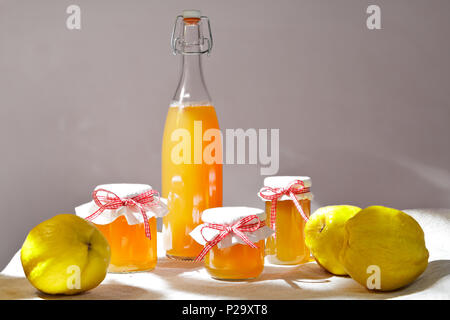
{"x": 178, "y": 43}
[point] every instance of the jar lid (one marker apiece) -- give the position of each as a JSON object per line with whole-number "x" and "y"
{"x": 281, "y": 182}
{"x": 125, "y": 190}
{"x": 231, "y": 215}
{"x": 154, "y": 207}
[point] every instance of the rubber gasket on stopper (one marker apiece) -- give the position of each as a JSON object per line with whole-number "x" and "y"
{"x": 192, "y": 14}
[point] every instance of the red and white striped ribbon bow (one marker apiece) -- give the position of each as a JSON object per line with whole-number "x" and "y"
{"x": 108, "y": 200}
{"x": 238, "y": 228}
{"x": 273, "y": 194}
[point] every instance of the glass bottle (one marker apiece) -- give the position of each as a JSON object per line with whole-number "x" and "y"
{"x": 191, "y": 180}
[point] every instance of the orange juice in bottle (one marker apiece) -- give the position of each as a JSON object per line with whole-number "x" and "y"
{"x": 191, "y": 180}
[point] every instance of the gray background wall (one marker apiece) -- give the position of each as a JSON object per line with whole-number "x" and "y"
{"x": 364, "y": 113}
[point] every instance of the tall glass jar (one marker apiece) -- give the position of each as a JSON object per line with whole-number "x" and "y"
{"x": 192, "y": 146}
{"x": 287, "y": 244}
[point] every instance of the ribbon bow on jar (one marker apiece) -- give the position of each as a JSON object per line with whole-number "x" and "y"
{"x": 108, "y": 200}
{"x": 243, "y": 225}
{"x": 273, "y": 194}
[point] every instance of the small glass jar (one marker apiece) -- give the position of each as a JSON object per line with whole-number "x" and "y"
{"x": 287, "y": 245}
{"x": 117, "y": 211}
{"x": 231, "y": 257}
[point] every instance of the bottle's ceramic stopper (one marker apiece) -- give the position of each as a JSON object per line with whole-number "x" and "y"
{"x": 192, "y": 14}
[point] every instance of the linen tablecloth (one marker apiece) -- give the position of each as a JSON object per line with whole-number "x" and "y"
{"x": 187, "y": 280}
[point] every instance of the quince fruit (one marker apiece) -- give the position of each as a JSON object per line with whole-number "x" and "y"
{"x": 324, "y": 235}
{"x": 384, "y": 249}
{"x": 65, "y": 255}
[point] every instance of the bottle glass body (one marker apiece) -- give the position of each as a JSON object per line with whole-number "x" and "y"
{"x": 191, "y": 182}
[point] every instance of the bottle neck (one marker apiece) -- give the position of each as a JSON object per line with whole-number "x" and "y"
{"x": 191, "y": 86}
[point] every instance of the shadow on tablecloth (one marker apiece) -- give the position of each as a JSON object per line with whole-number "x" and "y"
{"x": 435, "y": 271}
{"x": 308, "y": 281}
{"x": 112, "y": 290}
{"x": 15, "y": 288}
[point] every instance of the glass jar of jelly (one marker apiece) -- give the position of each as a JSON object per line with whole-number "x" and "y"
{"x": 126, "y": 215}
{"x": 233, "y": 240}
{"x": 287, "y": 218}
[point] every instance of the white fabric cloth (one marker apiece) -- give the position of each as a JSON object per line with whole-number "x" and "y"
{"x": 228, "y": 216}
{"x": 186, "y": 280}
{"x": 132, "y": 214}
{"x": 283, "y": 182}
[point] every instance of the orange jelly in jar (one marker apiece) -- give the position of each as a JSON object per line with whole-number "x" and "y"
{"x": 239, "y": 262}
{"x": 287, "y": 245}
{"x": 231, "y": 257}
{"x": 121, "y": 221}
{"x": 131, "y": 250}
